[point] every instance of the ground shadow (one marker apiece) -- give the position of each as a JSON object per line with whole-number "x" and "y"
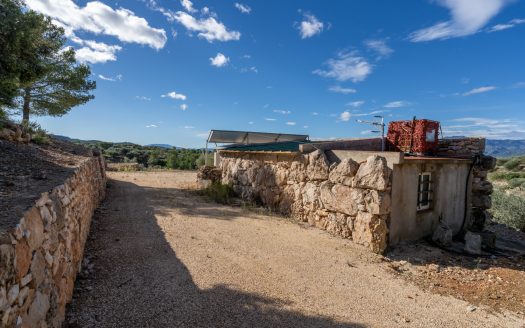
{"x": 138, "y": 281}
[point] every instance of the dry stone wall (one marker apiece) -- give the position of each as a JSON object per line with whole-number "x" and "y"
{"x": 40, "y": 257}
{"x": 461, "y": 146}
{"x": 346, "y": 198}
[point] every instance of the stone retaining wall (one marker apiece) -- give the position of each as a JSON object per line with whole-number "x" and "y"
{"x": 461, "y": 146}
{"x": 40, "y": 257}
{"x": 345, "y": 198}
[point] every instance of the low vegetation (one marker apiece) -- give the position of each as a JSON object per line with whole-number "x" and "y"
{"x": 508, "y": 199}
{"x": 219, "y": 193}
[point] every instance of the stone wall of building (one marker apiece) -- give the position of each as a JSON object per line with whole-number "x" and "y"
{"x": 481, "y": 192}
{"x": 346, "y": 198}
{"x": 461, "y": 146}
{"x": 40, "y": 257}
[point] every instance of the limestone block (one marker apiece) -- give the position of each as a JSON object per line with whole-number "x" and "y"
{"x": 318, "y": 165}
{"x": 472, "y": 243}
{"x": 297, "y": 172}
{"x": 22, "y": 258}
{"x": 481, "y": 201}
{"x": 32, "y": 222}
{"x": 378, "y": 202}
{"x": 488, "y": 162}
{"x": 344, "y": 171}
{"x": 38, "y": 266}
{"x": 3, "y": 297}
{"x": 341, "y": 198}
{"x": 442, "y": 235}
{"x": 370, "y": 231}
{"x": 373, "y": 174}
{"x": 483, "y": 187}
{"x": 12, "y": 294}
{"x": 38, "y": 309}
{"x": 337, "y": 225}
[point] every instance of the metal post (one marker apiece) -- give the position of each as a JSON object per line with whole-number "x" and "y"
{"x": 206, "y": 154}
{"x": 382, "y": 133}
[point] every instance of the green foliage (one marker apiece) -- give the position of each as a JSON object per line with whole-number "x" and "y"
{"x": 38, "y": 134}
{"x": 513, "y": 163}
{"x": 517, "y": 182}
{"x": 501, "y": 161}
{"x": 508, "y": 209}
{"x": 10, "y": 35}
{"x": 505, "y": 175}
{"x": 147, "y": 156}
{"x": 220, "y": 193}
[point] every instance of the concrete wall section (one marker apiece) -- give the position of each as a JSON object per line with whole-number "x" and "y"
{"x": 40, "y": 257}
{"x": 449, "y": 183}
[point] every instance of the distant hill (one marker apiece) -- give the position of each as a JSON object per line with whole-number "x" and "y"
{"x": 505, "y": 148}
{"x": 166, "y": 146}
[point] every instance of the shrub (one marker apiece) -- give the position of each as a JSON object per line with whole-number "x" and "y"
{"x": 503, "y": 175}
{"x": 502, "y": 161}
{"x": 508, "y": 209}
{"x": 220, "y": 193}
{"x": 517, "y": 182}
{"x": 38, "y": 134}
{"x": 513, "y": 163}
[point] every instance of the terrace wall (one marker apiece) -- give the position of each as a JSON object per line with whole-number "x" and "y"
{"x": 40, "y": 257}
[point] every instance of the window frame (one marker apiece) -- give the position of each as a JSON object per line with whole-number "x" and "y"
{"x": 421, "y": 192}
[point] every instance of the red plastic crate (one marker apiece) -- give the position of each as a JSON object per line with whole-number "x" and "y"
{"x": 417, "y": 136}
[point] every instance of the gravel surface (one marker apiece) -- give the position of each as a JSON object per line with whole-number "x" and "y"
{"x": 160, "y": 256}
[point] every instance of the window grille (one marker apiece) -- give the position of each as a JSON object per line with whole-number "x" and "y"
{"x": 424, "y": 191}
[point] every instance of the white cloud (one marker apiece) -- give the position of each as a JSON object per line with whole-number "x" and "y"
{"x": 290, "y": 123}
{"x": 99, "y": 18}
{"x": 152, "y": 126}
{"x": 397, "y": 104}
{"x": 105, "y": 78}
{"x": 315, "y": 113}
{"x": 347, "y": 66}
{"x": 367, "y": 132}
{"x": 357, "y": 103}
{"x": 251, "y": 122}
{"x": 479, "y": 90}
{"x": 189, "y": 127}
{"x": 305, "y": 126}
{"x": 143, "y": 98}
{"x": 339, "y": 89}
{"x": 208, "y": 28}
{"x": 379, "y": 46}
{"x": 243, "y": 8}
{"x": 270, "y": 119}
{"x": 188, "y": 5}
{"x": 282, "y": 111}
{"x": 183, "y": 106}
{"x": 518, "y": 85}
{"x": 310, "y": 26}
{"x": 252, "y": 69}
{"x": 468, "y": 17}
{"x": 345, "y": 116}
{"x": 511, "y": 24}
{"x": 485, "y": 127}
{"x": 219, "y": 60}
{"x": 174, "y": 95}
{"x": 88, "y": 55}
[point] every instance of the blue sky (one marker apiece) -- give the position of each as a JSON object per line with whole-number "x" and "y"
{"x": 168, "y": 71}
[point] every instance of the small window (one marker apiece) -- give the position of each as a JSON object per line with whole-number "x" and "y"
{"x": 424, "y": 191}
{"x": 431, "y": 136}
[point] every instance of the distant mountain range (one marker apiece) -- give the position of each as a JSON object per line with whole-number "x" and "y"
{"x": 166, "y": 146}
{"x": 505, "y": 148}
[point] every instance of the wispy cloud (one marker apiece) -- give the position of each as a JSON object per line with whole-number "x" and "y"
{"x": 270, "y": 119}
{"x": 397, "y": 104}
{"x": 518, "y": 85}
{"x": 345, "y": 116}
{"x": 479, "y": 90}
{"x": 346, "y": 66}
{"x": 467, "y": 17}
{"x": 380, "y": 47}
{"x": 183, "y": 107}
{"x": 290, "y": 123}
{"x": 243, "y": 8}
{"x": 188, "y": 5}
{"x": 219, "y": 60}
{"x": 512, "y": 23}
{"x": 357, "y": 103}
{"x": 152, "y": 126}
{"x": 206, "y": 28}
{"x": 310, "y": 26}
{"x": 485, "y": 127}
{"x": 282, "y": 111}
{"x": 315, "y": 113}
{"x": 174, "y": 95}
{"x": 339, "y": 89}
{"x": 118, "y": 77}
{"x": 251, "y": 69}
{"x": 143, "y": 98}
{"x": 189, "y": 127}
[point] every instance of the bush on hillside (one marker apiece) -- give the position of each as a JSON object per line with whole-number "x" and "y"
{"x": 513, "y": 163}
{"x": 508, "y": 209}
{"x": 504, "y": 175}
{"x": 518, "y": 182}
{"x": 220, "y": 193}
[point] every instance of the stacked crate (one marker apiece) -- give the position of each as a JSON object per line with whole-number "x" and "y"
{"x": 417, "y": 136}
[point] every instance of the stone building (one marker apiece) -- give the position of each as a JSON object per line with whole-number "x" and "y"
{"x": 354, "y": 190}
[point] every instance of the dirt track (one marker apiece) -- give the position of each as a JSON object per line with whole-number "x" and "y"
{"x": 163, "y": 257}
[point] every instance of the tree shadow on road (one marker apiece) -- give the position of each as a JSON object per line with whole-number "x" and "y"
{"x": 138, "y": 280}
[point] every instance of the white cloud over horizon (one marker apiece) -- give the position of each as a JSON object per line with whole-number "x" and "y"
{"x": 397, "y": 104}
{"x": 346, "y": 66}
{"x": 310, "y": 26}
{"x": 99, "y": 18}
{"x": 485, "y": 127}
{"x": 467, "y": 18}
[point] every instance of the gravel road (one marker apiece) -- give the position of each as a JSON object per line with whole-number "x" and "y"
{"x": 160, "y": 256}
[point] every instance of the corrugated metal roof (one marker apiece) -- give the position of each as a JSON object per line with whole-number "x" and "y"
{"x": 246, "y": 137}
